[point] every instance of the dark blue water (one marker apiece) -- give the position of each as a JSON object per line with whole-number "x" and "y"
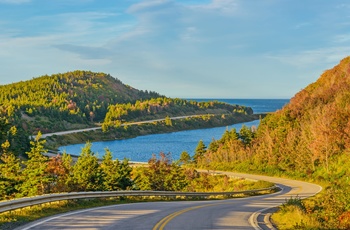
{"x": 258, "y": 105}
{"x": 141, "y": 148}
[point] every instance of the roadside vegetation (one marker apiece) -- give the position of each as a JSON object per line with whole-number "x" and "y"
{"x": 309, "y": 139}
{"x": 40, "y": 175}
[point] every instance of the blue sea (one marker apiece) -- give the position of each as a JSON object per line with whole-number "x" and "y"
{"x": 141, "y": 149}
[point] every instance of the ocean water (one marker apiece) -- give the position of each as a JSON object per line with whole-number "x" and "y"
{"x": 258, "y": 105}
{"x": 141, "y": 149}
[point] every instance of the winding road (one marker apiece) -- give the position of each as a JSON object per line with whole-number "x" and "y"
{"x": 239, "y": 213}
{"x": 124, "y": 124}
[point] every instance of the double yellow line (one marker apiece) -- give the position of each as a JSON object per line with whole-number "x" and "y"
{"x": 163, "y": 222}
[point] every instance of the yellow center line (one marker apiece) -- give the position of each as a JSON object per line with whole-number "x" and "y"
{"x": 163, "y": 222}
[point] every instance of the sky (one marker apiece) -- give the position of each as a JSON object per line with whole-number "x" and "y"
{"x": 178, "y": 48}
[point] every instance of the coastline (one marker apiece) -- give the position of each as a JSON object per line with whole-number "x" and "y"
{"x": 127, "y": 147}
{"x": 127, "y": 132}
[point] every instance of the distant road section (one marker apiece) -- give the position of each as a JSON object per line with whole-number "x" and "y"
{"x": 130, "y": 123}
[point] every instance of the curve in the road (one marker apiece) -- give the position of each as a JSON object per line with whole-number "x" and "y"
{"x": 239, "y": 213}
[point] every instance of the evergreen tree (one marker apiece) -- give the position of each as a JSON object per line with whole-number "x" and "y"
{"x": 68, "y": 178}
{"x": 200, "y": 151}
{"x": 213, "y": 146}
{"x": 185, "y": 158}
{"x": 125, "y": 170}
{"x": 35, "y": 177}
{"x": 87, "y": 173}
{"x": 246, "y": 135}
{"x": 116, "y": 175}
{"x": 10, "y": 173}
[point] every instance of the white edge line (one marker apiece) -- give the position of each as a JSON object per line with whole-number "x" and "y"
{"x": 253, "y": 219}
{"x": 66, "y": 214}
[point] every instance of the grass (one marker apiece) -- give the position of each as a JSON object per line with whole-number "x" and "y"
{"x": 293, "y": 215}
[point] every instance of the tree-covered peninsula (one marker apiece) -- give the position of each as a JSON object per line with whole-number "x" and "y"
{"x": 83, "y": 99}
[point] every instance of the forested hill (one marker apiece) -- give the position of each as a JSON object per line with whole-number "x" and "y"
{"x": 313, "y": 130}
{"x": 56, "y": 102}
{"x": 81, "y": 99}
{"x": 309, "y": 138}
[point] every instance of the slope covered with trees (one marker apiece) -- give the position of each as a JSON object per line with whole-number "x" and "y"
{"x": 309, "y": 138}
{"x": 82, "y": 99}
{"x": 51, "y": 103}
{"x": 161, "y": 107}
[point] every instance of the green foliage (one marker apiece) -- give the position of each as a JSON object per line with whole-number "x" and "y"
{"x": 51, "y": 103}
{"x": 116, "y": 175}
{"x": 34, "y": 176}
{"x": 10, "y": 177}
{"x": 246, "y": 134}
{"x": 12, "y": 137}
{"x": 162, "y": 107}
{"x": 161, "y": 174}
{"x": 42, "y": 175}
{"x": 87, "y": 173}
{"x": 185, "y": 158}
{"x": 199, "y": 151}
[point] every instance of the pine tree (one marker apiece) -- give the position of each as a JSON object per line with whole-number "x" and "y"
{"x": 185, "y": 158}
{"x": 10, "y": 173}
{"x": 87, "y": 173}
{"x": 200, "y": 151}
{"x": 113, "y": 176}
{"x": 35, "y": 178}
{"x": 68, "y": 179}
{"x": 125, "y": 170}
{"x": 246, "y": 135}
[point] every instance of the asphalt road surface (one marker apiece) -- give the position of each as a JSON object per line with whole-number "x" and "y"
{"x": 239, "y": 213}
{"x": 97, "y": 128}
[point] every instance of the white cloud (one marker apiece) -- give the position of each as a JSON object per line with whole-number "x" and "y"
{"x": 190, "y": 34}
{"x": 342, "y": 38}
{"x": 146, "y": 5}
{"x": 226, "y": 7}
{"x": 312, "y": 58}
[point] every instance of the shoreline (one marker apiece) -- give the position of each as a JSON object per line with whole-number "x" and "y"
{"x": 142, "y": 159}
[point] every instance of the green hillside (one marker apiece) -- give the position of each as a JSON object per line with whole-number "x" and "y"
{"x": 308, "y": 139}
{"x": 81, "y": 99}
{"x": 61, "y": 101}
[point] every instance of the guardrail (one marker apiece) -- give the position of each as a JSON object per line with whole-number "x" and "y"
{"x": 30, "y": 201}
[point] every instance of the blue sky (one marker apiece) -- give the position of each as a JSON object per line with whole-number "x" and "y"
{"x": 179, "y": 48}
